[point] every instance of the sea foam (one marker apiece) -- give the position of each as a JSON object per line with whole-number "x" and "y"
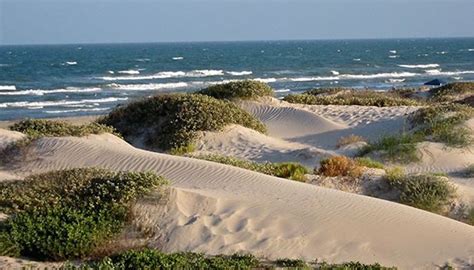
{"x": 420, "y": 66}
{"x": 150, "y": 86}
{"x": 38, "y": 104}
{"x": 239, "y": 73}
{"x": 7, "y": 87}
{"x": 40, "y": 92}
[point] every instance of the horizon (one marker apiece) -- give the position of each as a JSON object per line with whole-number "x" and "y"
{"x": 236, "y": 41}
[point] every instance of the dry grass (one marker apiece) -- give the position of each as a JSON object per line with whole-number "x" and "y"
{"x": 339, "y": 166}
{"x": 350, "y": 139}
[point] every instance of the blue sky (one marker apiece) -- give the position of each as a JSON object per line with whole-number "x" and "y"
{"x": 103, "y": 21}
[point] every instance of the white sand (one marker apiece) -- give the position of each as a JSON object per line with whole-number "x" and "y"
{"x": 216, "y": 208}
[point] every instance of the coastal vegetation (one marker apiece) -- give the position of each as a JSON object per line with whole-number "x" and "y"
{"x": 452, "y": 92}
{"x": 342, "y": 96}
{"x": 35, "y": 128}
{"x": 288, "y": 170}
{"x": 67, "y": 214}
{"x": 171, "y": 122}
{"x": 424, "y": 191}
{"x": 339, "y": 166}
{"x": 247, "y": 89}
{"x": 348, "y": 140}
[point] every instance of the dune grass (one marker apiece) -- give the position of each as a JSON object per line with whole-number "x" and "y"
{"x": 340, "y": 96}
{"x": 452, "y": 91}
{"x": 288, "y": 170}
{"x": 398, "y": 149}
{"x": 369, "y": 163}
{"x": 424, "y": 191}
{"x": 67, "y": 214}
{"x": 171, "y": 122}
{"x": 247, "y": 89}
{"x": 443, "y": 123}
{"x": 348, "y": 140}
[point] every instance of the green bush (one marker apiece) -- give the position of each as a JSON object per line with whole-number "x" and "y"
{"x": 443, "y": 123}
{"x": 353, "y": 266}
{"x": 68, "y": 213}
{"x": 291, "y": 263}
{"x": 369, "y": 163}
{"x": 152, "y": 259}
{"x": 288, "y": 170}
{"x": 238, "y": 90}
{"x": 35, "y": 128}
{"x": 172, "y": 121}
{"x": 350, "y": 97}
{"x": 425, "y": 191}
{"x": 452, "y": 91}
{"x": 469, "y": 171}
{"x": 401, "y": 148}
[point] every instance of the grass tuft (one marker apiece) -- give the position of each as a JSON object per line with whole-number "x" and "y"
{"x": 350, "y": 139}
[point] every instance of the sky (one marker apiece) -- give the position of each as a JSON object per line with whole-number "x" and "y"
{"x": 113, "y": 21}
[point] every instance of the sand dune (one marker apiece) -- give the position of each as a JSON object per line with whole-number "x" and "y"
{"x": 216, "y": 208}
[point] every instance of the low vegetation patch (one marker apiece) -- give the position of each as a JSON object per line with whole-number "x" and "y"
{"x": 400, "y": 149}
{"x": 350, "y": 139}
{"x": 35, "y": 128}
{"x": 350, "y": 97}
{"x": 339, "y": 166}
{"x": 238, "y": 90}
{"x": 172, "y": 121}
{"x": 443, "y": 123}
{"x": 469, "y": 171}
{"x": 369, "y": 163}
{"x": 452, "y": 91}
{"x": 425, "y": 191}
{"x": 152, "y": 259}
{"x": 67, "y": 214}
{"x": 288, "y": 170}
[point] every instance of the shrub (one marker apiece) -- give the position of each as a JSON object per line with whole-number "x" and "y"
{"x": 68, "y": 213}
{"x": 441, "y": 123}
{"x": 401, "y": 148}
{"x": 298, "y": 263}
{"x": 239, "y": 89}
{"x": 172, "y": 121}
{"x": 351, "y": 97}
{"x": 369, "y": 163}
{"x": 424, "y": 191}
{"x": 350, "y": 139}
{"x": 353, "y": 266}
{"x": 35, "y": 128}
{"x": 339, "y": 166}
{"x": 293, "y": 171}
{"x": 153, "y": 259}
{"x": 452, "y": 91}
{"x": 470, "y": 216}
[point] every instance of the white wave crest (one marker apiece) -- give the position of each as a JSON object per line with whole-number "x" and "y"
{"x": 23, "y": 104}
{"x": 178, "y": 58}
{"x": 393, "y": 51}
{"x": 356, "y": 59}
{"x": 130, "y": 72}
{"x": 150, "y": 86}
{"x": 80, "y": 110}
{"x": 142, "y": 59}
{"x": 395, "y": 80}
{"x": 334, "y": 72}
{"x": 282, "y": 90}
{"x": 7, "y": 87}
{"x": 168, "y": 74}
{"x": 420, "y": 66}
{"x": 71, "y": 63}
{"x": 394, "y": 56}
{"x": 239, "y": 73}
{"x": 265, "y": 80}
{"x": 470, "y": 50}
{"x": 356, "y": 76}
{"x": 40, "y": 92}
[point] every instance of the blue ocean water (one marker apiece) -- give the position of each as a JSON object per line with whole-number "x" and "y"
{"x": 70, "y": 80}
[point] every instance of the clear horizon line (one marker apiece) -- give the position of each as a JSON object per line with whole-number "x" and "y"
{"x": 227, "y": 41}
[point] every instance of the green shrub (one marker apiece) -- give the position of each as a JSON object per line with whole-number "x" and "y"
{"x": 350, "y": 97}
{"x": 452, "y": 91}
{"x": 288, "y": 170}
{"x": 401, "y": 148}
{"x": 443, "y": 123}
{"x": 424, "y": 191}
{"x": 353, "y": 266}
{"x": 240, "y": 89}
{"x": 152, "y": 259}
{"x": 172, "y": 121}
{"x": 68, "y": 213}
{"x": 470, "y": 216}
{"x": 35, "y": 128}
{"x": 291, "y": 263}
{"x": 369, "y": 163}
{"x": 469, "y": 171}
{"x": 8, "y": 247}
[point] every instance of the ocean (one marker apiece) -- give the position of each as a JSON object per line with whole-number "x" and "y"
{"x": 74, "y": 80}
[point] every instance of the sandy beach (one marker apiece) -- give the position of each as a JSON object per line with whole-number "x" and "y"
{"x": 221, "y": 209}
